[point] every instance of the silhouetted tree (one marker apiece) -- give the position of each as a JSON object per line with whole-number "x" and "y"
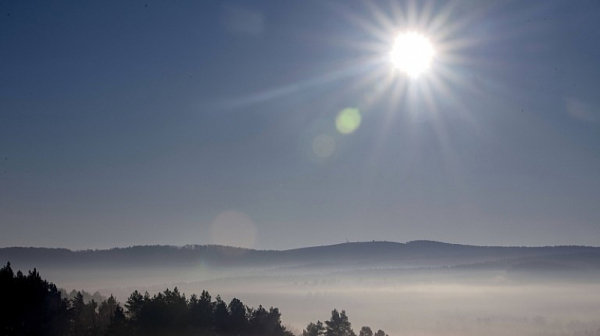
{"x": 176, "y": 309}
{"x": 221, "y": 316}
{"x": 314, "y": 329}
{"x": 30, "y": 306}
{"x": 263, "y": 322}
{"x": 77, "y": 311}
{"x": 118, "y": 325}
{"x": 338, "y": 325}
{"x": 380, "y": 333}
{"x": 85, "y": 319}
{"x": 154, "y": 316}
{"x": 238, "y": 320}
{"x": 134, "y": 305}
{"x": 365, "y": 331}
{"x": 106, "y": 311}
{"x": 201, "y": 311}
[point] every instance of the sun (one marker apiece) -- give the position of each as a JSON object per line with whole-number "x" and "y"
{"x": 412, "y": 53}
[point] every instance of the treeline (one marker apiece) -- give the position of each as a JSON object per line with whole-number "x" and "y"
{"x": 338, "y": 325}
{"x": 32, "y": 306}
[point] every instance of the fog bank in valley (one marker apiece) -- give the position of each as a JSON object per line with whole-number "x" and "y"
{"x": 418, "y": 288}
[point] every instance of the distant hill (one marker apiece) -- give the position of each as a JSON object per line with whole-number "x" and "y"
{"x": 360, "y": 255}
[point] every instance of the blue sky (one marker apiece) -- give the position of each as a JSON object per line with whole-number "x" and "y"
{"x": 215, "y": 122}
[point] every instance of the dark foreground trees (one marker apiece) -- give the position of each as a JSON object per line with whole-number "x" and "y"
{"x": 171, "y": 313}
{"x": 31, "y": 306}
{"x": 337, "y": 325}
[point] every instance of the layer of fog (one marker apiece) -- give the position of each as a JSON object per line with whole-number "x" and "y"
{"x": 407, "y": 302}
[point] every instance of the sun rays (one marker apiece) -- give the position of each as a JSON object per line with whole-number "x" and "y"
{"x": 406, "y": 63}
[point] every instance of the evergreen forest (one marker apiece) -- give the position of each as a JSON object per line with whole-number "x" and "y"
{"x": 32, "y": 306}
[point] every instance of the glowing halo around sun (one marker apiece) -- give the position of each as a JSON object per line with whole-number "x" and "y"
{"x": 412, "y": 53}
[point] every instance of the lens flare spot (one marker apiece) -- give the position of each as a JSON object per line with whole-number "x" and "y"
{"x": 233, "y": 228}
{"x": 323, "y": 146}
{"x": 348, "y": 120}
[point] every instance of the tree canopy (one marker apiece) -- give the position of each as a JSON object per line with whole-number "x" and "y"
{"x": 337, "y": 325}
{"x": 32, "y": 306}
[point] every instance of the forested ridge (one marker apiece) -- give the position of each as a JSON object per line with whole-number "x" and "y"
{"x": 349, "y": 255}
{"x": 33, "y": 306}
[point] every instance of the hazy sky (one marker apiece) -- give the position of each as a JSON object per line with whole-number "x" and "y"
{"x": 194, "y": 122}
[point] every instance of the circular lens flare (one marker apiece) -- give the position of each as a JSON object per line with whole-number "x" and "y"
{"x": 412, "y": 53}
{"x": 348, "y": 120}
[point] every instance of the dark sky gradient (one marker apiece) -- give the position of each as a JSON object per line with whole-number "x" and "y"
{"x": 194, "y": 122}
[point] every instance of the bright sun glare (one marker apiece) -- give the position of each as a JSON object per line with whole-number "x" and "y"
{"x": 412, "y": 53}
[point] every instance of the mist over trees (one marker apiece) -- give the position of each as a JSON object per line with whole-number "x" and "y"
{"x": 337, "y": 325}
{"x": 33, "y": 306}
{"x": 87, "y": 297}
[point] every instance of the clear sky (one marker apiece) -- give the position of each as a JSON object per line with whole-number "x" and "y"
{"x": 280, "y": 124}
